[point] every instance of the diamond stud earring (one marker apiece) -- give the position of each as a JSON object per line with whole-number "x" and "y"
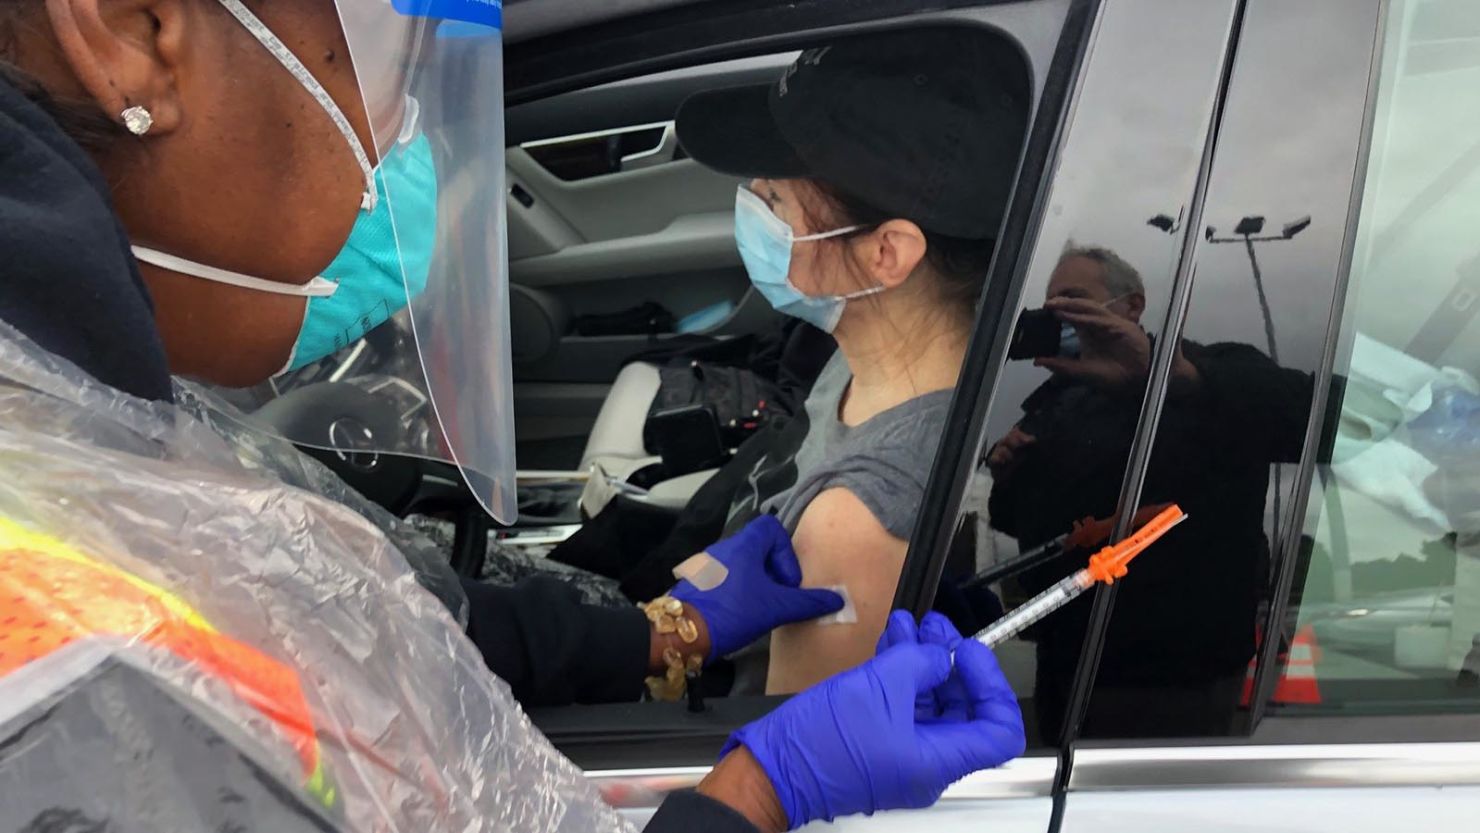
{"x": 138, "y": 120}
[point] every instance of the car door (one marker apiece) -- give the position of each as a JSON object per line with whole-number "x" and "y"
{"x": 1325, "y": 300}
{"x": 638, "y": 752}
{"x": 1115, "y": 198}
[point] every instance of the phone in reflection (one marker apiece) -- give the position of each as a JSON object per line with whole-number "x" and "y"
{"x": 1039, "y": 333}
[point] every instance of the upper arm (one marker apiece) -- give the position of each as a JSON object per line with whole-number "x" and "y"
{"x": 838, "y": 541}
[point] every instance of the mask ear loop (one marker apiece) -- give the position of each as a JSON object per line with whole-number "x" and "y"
{"x": 851, "y": 296}
{"x": 300, "y": 72}
{"x": 319, "y": 287}
{"x": 826, "y": 234}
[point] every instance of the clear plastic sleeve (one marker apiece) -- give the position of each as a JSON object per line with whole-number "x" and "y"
{"x": 234, "y": 591}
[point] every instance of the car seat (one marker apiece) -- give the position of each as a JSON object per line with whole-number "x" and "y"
{"x": 788, "y": 360}
{"x": 616, "y": 441}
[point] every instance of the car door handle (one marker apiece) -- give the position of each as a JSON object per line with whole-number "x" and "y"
{"x": 661, "y": 154}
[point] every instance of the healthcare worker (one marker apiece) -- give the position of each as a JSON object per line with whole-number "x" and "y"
{"x": 288, "y": 175}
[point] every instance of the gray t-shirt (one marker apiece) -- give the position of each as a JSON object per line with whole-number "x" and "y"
{"x": 885, "y": 461}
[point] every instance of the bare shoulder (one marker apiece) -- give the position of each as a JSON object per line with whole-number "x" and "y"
{"x": 838, "y": 520}
{"x": 839, "y": 542}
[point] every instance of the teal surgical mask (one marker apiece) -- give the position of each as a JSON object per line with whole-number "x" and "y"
{"x": 765, "y": 243}
{"x": 383, "y": 265}
{"x": 387, "y": 257}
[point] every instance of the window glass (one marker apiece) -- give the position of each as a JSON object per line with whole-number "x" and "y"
{"x": 1180, "y": 642}
{"x": 1387, "y": 613}
{"x": 1064, "y": 413}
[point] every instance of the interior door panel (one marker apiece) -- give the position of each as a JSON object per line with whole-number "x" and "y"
{"x": 625, "y": 204}
{"x": 604, "y": 216}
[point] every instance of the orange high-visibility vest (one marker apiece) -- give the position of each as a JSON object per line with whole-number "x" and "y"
{"x": 52, "y": 595}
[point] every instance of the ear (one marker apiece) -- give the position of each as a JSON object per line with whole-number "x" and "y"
{"x": 1135, "y": 304}
{"x": 125, "y": 53}
{"x": 892, "y": 251}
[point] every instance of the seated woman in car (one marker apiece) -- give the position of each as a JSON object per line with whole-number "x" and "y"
{"x": 876, "y": 175}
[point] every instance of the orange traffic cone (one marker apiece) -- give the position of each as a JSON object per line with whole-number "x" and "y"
{"x": 1297, "y": 684}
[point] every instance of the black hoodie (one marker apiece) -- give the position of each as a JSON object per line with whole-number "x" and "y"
{"x": 70, "y": 282}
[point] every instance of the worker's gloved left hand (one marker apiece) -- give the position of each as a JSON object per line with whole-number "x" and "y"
{"x": 761, "y": 592}
{"x": 892, "y": 733}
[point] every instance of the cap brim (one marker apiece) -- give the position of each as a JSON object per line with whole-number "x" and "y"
{"x": 733, "y": 132}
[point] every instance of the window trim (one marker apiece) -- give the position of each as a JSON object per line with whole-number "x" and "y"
{"x": 1317, "y": 752}
{"x": 1266, "y": 669}
{"x": 1293, "y": 766}
{"x": 642, "y": 788}
{"x": 1144, "y": 444}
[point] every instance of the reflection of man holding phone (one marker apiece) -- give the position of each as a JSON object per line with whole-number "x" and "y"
{"x": 1175, "y": 660}
{"x": 1090, "y": 326}
{"x": 1089, "y": 330}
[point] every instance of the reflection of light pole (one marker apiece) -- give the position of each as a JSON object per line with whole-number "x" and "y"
{"x": 1248, "y": 230}
{"x": 1166, "y": 223}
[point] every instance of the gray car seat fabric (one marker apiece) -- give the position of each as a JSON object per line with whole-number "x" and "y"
{"x": 616, "y": 438}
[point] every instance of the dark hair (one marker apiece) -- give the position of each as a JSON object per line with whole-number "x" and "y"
{"x": 960, "y": 263}
{"x": 83, "y": 121}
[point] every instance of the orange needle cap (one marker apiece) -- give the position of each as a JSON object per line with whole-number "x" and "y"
{"x": 1110, "y": 563}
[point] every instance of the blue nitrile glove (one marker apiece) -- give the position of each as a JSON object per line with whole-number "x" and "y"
{"x": 934, "y": 629}
{"x": 892, "y": 733}
{"x": 762, "y": 591}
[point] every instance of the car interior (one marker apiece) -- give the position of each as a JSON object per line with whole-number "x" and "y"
{"x": 607, "y": 216}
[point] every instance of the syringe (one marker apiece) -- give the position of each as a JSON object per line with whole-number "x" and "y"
{"x": 1107, "y": 565}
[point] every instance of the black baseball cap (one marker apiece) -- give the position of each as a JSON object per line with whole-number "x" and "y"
{"x": 924, "y": 124}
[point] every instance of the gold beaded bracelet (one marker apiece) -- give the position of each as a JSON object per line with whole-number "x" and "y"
{"x": 667, "y": 615}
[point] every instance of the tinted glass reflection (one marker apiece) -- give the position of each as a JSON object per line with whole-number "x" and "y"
{"x": 1098, "y": 289}
{"x": 1390, "y": 599}
{"x": 1183, "y": 632}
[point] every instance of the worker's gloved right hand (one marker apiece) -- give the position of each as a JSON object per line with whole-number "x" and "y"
{"x": 892, "y": 733}
{"x": 761, "y": 592}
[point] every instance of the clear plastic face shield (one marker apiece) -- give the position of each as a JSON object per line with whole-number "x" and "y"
{"x": 406, "y": 348}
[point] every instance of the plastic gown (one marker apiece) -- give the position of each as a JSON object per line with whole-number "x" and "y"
{"x": 262, "y": 617}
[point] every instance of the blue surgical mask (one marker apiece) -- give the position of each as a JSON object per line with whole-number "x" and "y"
{"x": 1068, "y": 341}
{"x": 765, "y": 243}
{"x": 1069, "y": 344}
